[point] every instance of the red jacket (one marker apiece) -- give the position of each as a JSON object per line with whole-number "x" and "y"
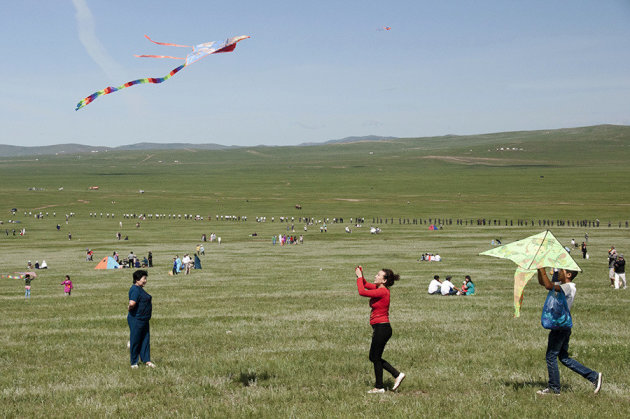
{"x": 379, "y": 300}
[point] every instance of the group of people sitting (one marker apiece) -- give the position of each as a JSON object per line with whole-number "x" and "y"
{"x": 30, "y": 266}
{"x": 446, "y": 287}
{"x": 430, "y": 257}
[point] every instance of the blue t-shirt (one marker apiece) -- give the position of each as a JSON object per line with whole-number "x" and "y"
{"x": 143, "y": 308}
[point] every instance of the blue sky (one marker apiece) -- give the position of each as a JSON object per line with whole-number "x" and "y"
{"x": 312, "y": 71}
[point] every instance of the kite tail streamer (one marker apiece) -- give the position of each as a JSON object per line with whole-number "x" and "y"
{"x": 110, "y": 89}
{"x": 167, "y": 43}
{"x": 521, "y": 278}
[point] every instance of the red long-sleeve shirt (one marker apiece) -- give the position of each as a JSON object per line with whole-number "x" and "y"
{"x": 379, "y": 300}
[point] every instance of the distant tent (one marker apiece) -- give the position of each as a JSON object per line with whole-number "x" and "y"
{"x": 197, "y": 262}
{"x": 107, "y": 262}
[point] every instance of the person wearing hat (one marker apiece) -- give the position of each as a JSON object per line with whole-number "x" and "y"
{"x": 447, "y": 287}
{"x": 435, "y": 285}
{"x": 620, "y": 271}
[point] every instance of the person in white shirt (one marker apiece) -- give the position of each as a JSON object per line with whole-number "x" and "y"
{"x": 186, "y": 261}
{"x": 435, "y": 285}
{"x": 447, "y": 287}
{"x": 558, "y": 343}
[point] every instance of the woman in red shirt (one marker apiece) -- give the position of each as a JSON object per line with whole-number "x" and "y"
{"x": 379, "y": 319}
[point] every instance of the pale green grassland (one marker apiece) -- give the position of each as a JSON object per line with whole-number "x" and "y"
{"x": 266, "y": 331}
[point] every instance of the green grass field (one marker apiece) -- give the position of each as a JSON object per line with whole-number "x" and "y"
{"x": 270, "y": 331}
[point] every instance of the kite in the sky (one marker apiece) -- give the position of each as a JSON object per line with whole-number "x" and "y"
{"x": 198, "y": 52}
{"x": 542, "y": 250}
{"x": 385, "y": 28}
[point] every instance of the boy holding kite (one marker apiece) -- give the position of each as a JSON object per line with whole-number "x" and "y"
{"x": 558, "y": 343}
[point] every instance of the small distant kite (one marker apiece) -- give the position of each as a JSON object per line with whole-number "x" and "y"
{"x": 385, "y": 28}
{"x": 198, "y": 52}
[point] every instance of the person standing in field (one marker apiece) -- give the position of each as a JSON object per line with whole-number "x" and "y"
{"x": 584, "y": 251}
{"x": 612, "y": 257}
{"x": 620, "y": 272}
{"x": 379, "y": 295}
{"x": 150, "y": 259}
{"x": 27, "y": 286}
{"x": 67, "y": 286}
{"x": 558, "y": 342}
{"x": 139, "y": 313}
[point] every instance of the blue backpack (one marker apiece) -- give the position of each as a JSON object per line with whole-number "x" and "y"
{"x": 555, "y": 313}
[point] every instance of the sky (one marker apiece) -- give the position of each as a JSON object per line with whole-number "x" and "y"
{"x": 311, "y": 71}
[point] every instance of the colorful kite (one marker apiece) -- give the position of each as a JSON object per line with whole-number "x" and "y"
{"x": 385, "y": 28}
{"x": 542, "y": 250}
{"x": 18, "y": 275}
{"x": 198, "y": 52}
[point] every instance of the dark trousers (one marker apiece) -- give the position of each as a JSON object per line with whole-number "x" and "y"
{"x": 380, "y": 335}
{"x": 558, "y": 348}
{"x": 139, "y": 340}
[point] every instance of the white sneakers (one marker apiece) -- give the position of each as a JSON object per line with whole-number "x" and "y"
{"x": 546, "y": 391}
{"x": 399, "y": 380}
{"x": 148, "y": 364}
{"x": 397, "y": 383}
{"x": 376, "y": 391}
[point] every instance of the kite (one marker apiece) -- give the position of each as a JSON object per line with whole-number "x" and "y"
{"x": 198, "y": 52}
{"x": 385, "y": 28}
{"x": 542, "y": 250}
{"x": 19, "y": 275}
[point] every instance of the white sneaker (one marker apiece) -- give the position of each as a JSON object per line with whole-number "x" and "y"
{"x": 376, "y": 391}
{"x": 399, "y": 380}
{"x": 547, "y": 391}
{"x": 150, "y": 364}
{"x": 598, "y": 383}
{"x": 134, "y": 366}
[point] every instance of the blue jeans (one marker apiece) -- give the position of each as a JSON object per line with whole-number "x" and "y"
{"x": 139, "y": 340}
{"x": 558, "y": 347}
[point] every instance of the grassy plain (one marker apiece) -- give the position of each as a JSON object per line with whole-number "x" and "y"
{"x": 270, "y": 331}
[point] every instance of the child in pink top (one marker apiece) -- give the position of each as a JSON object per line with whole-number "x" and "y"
{"x": 67, "y": 286}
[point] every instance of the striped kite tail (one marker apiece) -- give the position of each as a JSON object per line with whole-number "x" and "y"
{"x": 111, "y": 89}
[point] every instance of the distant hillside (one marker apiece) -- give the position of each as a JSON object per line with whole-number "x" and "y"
{"x": 583, "y": 140}
{"x": 353, "y": 140}
{"x": 172, "y": 146}
{"x": 12, "y": 150}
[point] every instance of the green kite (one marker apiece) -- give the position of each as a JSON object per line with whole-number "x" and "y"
{"x": 542, "y": 250}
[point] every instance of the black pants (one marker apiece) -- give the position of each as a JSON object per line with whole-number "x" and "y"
{"x": 381, "y": 334}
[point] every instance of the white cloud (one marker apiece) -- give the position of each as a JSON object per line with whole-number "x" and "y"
{"x": 96, "y": 50}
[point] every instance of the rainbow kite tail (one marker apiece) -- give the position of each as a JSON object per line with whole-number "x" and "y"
{"x": 110, "y": 89}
